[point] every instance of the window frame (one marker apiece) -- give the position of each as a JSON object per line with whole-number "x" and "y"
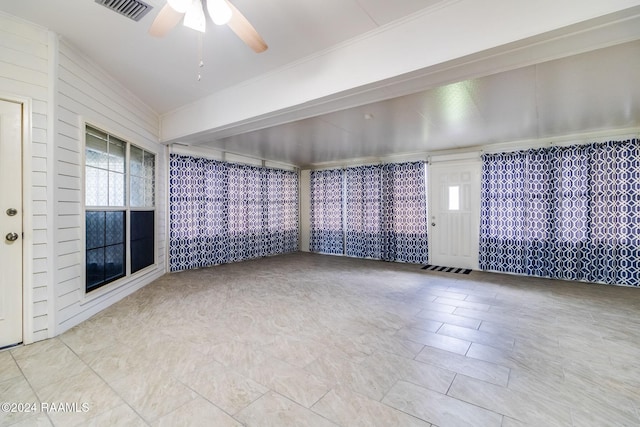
{"x": 127, "y": 208}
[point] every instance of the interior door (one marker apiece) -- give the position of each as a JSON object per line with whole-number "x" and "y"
{"x": 10, "y": 223}
{"x": 454, "y": 214}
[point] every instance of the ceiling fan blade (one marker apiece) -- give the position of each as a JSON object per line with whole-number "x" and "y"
{"x": 243, "y": 29}
{"x": 165, "y": 21}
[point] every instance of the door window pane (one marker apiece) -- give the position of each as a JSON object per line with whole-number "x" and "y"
{"x": 454, "y": 198}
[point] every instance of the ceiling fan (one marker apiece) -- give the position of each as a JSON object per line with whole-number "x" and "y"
{"x": 221, "y": 12}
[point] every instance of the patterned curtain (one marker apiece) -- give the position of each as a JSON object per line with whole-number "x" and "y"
{"x": 326, "y": 212}
{"x": 564, "y": 212}
{"x": 386, "y": 212}
{"x": 222, "y": 212}
{"x": 404, "y": 212}
{"x": 363, "y": 195}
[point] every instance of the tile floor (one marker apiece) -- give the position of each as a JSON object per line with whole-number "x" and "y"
{"x": 311, "y": 340}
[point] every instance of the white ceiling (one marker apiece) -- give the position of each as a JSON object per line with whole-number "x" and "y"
{"x": 594, "y": 91}
{"x": 293, "y": 29}
{"x": 591, "y": 91}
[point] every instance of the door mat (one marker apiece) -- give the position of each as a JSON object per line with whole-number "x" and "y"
{"x": 447, "y": 269}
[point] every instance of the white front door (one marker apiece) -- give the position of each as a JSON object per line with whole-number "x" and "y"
{"x": 454, "y": 214}
{"x": 10, "y": 223}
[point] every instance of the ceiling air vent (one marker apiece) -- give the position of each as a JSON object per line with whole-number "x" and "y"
{"x": 133, "y": 9}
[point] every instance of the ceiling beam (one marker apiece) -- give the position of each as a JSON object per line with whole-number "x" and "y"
{"x": 454, "y": 41}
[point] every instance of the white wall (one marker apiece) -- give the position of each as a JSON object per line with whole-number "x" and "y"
{"x": 86, "y": 94}
{"x": 24, "y": 65}
{"x": 65, "y": 90}
{"x": 305, "y": 209}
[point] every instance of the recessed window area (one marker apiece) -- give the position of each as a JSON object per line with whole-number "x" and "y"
{"x": 119, "y": 196}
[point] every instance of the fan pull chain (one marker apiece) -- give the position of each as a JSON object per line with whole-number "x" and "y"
{"x": 200, "y": 60}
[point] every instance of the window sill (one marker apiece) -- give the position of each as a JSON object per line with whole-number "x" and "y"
{"x": 116, "y": 285}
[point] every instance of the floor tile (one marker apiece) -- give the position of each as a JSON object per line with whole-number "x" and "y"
{"x": 521, "y": 406}
{"x": 426, "y": 375}
{"x": 23, "y": 352}
{"x": 88, "y": 394}
{"x": 295, "y": 351}
{"x": 121, "y": 416}
{"x": 306, "y": 339}
{"x": 48, "y": 367}
{"x": 195, "y": 413}
{"x": 90, "y": 336}
{"x": 462, "y": 303}
{"x": 491, "y": 354}
{"x": 438, "y": 408}
{"x": 431, "y": 339}
{"x": 223, "y": 387}
{"x": 347, "y": 408}
{"x": 8, "y": 367}
{"x": 598, "y": 414}
{"x": 152, "y": 393}
{"x": 424, "y": 324}
{"x": 274, "y": 410}
{"x": 486, "y": 338}
{"x": 486, "y": 371}
{"x": 14, "y": 391}
{"x": 451, "y": 319}
{"x": 37, "y": 420}
{"x": 438, "y": 307}
{"x": 297, "y": 384}
{"x": 115, "y": 362}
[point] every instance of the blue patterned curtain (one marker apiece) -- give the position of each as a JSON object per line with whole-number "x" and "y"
{"x": 404, "y": 212}
{"x": 222, "y": 212}
{"x": 386, "y": 212}
{"x": 564, "y": 212}
{"x": 363, "y": 228}
{"x": 326, "y": 212}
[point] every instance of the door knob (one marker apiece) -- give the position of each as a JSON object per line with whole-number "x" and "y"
{"x": 11, "y": 212}
{"x": 433, "y": 224}
{"x": 12, "y": 237}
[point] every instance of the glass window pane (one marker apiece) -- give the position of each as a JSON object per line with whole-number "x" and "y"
{"x": 454, "y": 198}
{"x": 142, "y": 240}
{"x": 136, "y": 160}
{"x": 108, "y": 174}
{"x": 116, "y": 189}
{"x": 137, "y": 191}
{"x": 149, "y": 191}
{"x": 95, "y": 268}
{"x": 149, "y": 165}
{"x": 142, "y": 177}
{"x": 114, "y": 228}
{"x": 105, "y": 255}
{"x": 114, "y": 262}
{"x": 96, "y": 187}
{"x": 96, "y": 132}
{"x": 96, "y": 152}
{"x": 116, "y": 155}
{"x": 95, "y": 225}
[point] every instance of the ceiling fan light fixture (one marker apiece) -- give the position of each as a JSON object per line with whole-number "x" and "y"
{"x": 219, "y": 11}
{"x": 180, "y": 6}
{"x": 194, "y": 17}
